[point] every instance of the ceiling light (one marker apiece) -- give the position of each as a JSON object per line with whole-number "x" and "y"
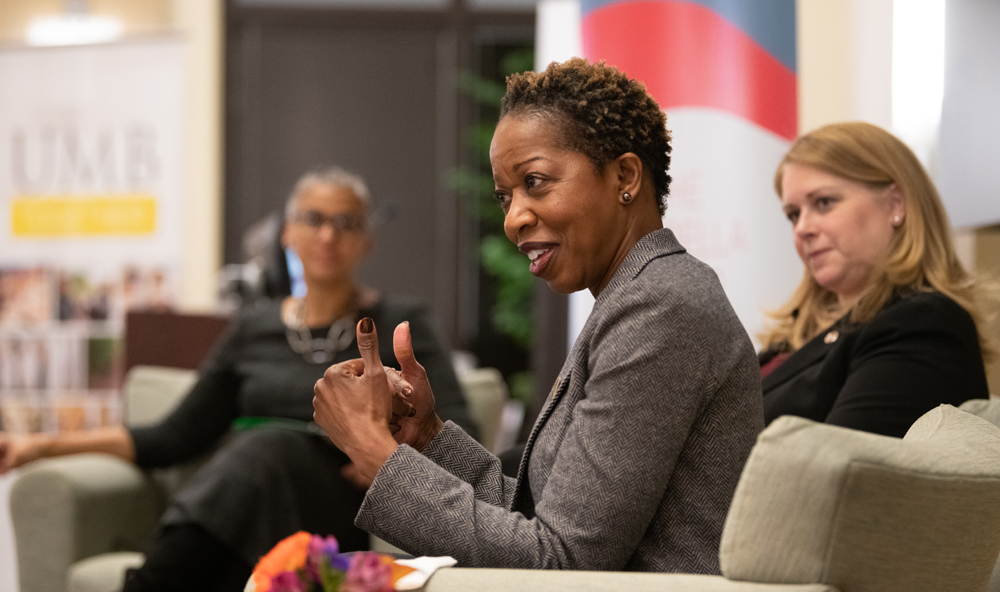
{"x": 73, "y": 29}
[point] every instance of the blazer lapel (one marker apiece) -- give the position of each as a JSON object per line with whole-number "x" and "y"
{"x": 522, "y": 489}
{"x": 812, "y": 352}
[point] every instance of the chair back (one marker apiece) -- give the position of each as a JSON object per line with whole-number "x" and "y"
{"x": 988, "y": 409}
{"x": 152, "y": 392}
{"x": 828, "y": 505}
{"x": 485, "y": 395}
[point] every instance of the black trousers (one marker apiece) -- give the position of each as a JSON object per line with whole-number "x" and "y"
{"x": 187, "y": 558}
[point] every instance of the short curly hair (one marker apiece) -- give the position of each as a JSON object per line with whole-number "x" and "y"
{"x": 601, "y": 112}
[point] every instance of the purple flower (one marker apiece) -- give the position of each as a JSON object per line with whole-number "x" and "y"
{"x": 367, "y": 573}
{"x": 341, "y": 562}
{"x": 287, "y": 581}
{"x": 320, "y": 548}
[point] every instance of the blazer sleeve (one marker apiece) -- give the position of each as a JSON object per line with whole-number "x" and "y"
{"x": 916, "y": 355}
{"x": 462, "y": 456}
{"x": 648, "y": 377}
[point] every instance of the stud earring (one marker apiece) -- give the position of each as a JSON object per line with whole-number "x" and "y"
{"x": 626, "y": 197}
{"x": 896, "y": 219}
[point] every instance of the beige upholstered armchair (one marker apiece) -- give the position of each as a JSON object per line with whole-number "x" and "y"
{"x": 827, "y": 509}
{"x": 74, "y": 507}
{"x": 80, "y": 521}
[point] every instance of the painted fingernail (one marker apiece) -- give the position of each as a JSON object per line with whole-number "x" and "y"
{"x": 367, "y": 325}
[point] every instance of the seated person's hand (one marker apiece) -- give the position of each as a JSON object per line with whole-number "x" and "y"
{"x": 17, "y": 450}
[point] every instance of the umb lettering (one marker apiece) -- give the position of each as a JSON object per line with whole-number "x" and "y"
{"x": 142, "y": 166}
{"x": 86, "y": 164}
{"x": 64, "y": 160}
{"x": 30, "y": 174}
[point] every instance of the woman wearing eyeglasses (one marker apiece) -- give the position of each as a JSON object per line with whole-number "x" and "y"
{"x": 281, "y": 476}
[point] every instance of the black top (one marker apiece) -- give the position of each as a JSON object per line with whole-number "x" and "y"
{"x": 919, "y": 351}
{"x": 254, "y": 373}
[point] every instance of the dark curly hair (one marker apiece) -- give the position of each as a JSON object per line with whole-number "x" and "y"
{"x": 601, "y": 113}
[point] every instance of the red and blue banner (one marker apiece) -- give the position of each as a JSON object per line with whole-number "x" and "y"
{"x": 724, "y": 72}
{"x": 733, "y": 55}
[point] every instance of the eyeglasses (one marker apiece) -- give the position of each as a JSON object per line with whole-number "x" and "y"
{"x": 339, "y": 222}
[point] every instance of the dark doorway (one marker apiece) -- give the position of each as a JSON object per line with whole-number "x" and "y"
{"x": 375, "y": 92}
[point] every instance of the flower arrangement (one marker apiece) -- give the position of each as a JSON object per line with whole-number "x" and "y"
{"x": 306, "y": 562}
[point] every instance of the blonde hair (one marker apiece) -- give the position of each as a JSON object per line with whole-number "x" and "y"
{"x": 921, "y": 256}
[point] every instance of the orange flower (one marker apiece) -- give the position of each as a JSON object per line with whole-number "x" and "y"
{"x": 398, "y": 571}
{"x": 288, "y": 555}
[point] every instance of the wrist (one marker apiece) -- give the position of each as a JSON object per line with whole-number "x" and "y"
{"x": 370, "y": 458}
{"x": 428, "y": 431}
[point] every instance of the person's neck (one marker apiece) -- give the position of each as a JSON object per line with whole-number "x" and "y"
{"x": 845, "y": 302}
{"x": 638, "y": 227}
{"x": 326, "y": 303}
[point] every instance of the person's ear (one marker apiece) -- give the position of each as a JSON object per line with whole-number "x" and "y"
{"x": 897, "y": 205}
{"x": 628, "y": 167}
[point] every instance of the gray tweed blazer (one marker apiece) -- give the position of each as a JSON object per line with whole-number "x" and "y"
{"x": 635, "y": 457}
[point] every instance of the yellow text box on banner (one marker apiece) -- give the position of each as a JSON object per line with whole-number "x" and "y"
{"x": 55, "y": 216}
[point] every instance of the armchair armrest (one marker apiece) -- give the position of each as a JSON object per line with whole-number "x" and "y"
{"x": 69, "y": 508}
{"x": 543, "y": 580}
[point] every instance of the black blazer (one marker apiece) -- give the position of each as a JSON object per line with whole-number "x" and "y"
{"x": 919, "y": 351}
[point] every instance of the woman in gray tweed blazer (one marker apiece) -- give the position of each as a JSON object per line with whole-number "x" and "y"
{"x": 634, "y": 459}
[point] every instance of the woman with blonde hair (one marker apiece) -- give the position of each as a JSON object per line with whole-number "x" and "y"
{"x": 886, "y": 323}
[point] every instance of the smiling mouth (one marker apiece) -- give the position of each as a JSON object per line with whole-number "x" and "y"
{"x": 539, "y": 255}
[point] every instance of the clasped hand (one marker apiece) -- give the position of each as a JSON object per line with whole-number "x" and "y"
{"x": 367, "y": 409}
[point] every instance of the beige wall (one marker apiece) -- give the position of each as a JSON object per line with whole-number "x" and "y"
{"x": 201, "y": 24}
{"x": 823, "y": 61}
{"x": 201, "y": 21}
{"x": 987, "y": 241}
{"x": 844, "y": 61}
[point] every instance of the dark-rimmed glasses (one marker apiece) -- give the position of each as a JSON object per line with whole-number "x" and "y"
{"x": 339, "y": 222}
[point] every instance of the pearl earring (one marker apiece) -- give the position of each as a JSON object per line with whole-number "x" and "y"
{"x": 896, "y": 219}
{"x": 626, "y": 197}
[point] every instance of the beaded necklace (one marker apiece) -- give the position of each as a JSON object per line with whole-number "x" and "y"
{"x": 318, "y": 350}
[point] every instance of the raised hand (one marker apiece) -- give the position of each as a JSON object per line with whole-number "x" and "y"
{"x": 420, "y": 428}
{"x": 353, "y": 403}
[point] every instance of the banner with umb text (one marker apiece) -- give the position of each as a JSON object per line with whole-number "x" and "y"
{"x": 90, "y": 220}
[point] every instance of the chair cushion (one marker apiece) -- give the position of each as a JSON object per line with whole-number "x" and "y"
{"x": 456, "y": 579}
{"x": 101, "y": 573}
{"x": 823, "y": 504}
